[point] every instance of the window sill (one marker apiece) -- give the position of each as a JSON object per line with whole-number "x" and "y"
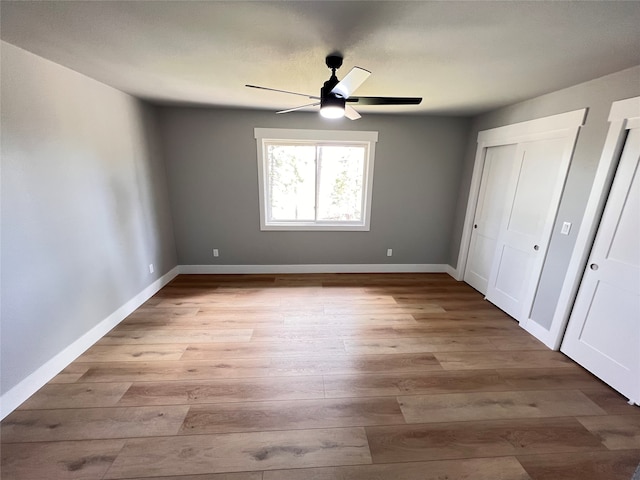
{"x": 326, "y": 227}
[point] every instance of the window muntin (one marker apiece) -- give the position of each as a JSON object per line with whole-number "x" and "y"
{"x": 315, "y": 180}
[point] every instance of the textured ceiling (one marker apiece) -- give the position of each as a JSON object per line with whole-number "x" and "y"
{"x": 462, "y": 57}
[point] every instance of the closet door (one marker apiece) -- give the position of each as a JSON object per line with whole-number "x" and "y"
{"x": 533, "y": 194}
{"x": 603, "y": 333}
{"x": 492, "y": 202}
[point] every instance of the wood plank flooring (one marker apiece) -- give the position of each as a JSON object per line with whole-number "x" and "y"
{"x": 321, "y": 377}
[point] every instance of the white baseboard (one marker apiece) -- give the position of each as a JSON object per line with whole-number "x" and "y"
{"x": 27, "y": 387}
{"x": 317, "y": 268}
{"x": 453, "y": 272}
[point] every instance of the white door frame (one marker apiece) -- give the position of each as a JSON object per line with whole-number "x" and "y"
{"x": 624, "y": 114}
{"x": 559, "y": 125}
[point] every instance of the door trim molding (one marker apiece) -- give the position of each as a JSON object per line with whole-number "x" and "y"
{"x": 539, "y": 129}
{"x": 624, "y": 115}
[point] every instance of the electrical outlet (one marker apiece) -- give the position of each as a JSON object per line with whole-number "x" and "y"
{"x": 151, "y": 268}
{"x": 389, "y": 252}
{"x": 216, "y": 253}
{"x": 566, "y": 228}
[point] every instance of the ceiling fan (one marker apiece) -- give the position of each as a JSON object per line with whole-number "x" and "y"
{"x": 335, "y": 96}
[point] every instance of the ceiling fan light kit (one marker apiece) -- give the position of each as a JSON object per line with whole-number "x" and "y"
{"x": 332, "y": 107}
{"x": 335, "y": 93}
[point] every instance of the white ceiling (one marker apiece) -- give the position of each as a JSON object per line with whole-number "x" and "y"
{"x": 462, "y": 57}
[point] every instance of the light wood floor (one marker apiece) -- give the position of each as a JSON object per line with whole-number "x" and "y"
{"x": 321, "y": 377}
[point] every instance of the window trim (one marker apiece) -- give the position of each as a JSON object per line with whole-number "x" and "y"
{"x": 265, "y": 135}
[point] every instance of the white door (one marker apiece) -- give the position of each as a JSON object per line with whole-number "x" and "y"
{"x": 498, "y": 165}
{"x": 533, "y": 194}
{"x": 603, "y": 333}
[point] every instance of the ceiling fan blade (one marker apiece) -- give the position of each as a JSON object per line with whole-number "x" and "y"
{"x": 385, "y": 100}
{"x": 351, "y": 82}
{"x": 299, "y": 108}
{"x": 283, "y": 91}
{"x": 351, "y": 113}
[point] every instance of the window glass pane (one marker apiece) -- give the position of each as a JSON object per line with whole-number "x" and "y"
{"x": 291, "y": 178}
{"x": 341, "y": 172}
{"x": 315, "y": 179}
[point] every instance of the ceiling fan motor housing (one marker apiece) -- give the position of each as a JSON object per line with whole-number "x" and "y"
{"x": 328, "y": 99}
{"x": 333, "y": 101}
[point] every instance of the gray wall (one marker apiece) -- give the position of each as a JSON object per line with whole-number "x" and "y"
{"x": 84, "y": 208}
{"x": 213, "y": 182}
{"x": 597, "y": 95}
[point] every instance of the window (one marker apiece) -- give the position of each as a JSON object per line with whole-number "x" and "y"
{"x": 315, "y": 179}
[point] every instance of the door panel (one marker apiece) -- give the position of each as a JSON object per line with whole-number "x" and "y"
{"x": 611, "y": 303}
{"x": 534, "y": 189}
{"x": 498, "y": 164}
{"x": 603, "y": 333}
{"x": 625, "y": 249}
{"x": 534, "y": 193}
{"x": 509, "y": 278}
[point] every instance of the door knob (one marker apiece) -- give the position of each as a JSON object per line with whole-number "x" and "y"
{"x": 594, "y": 266}
{"x": 536, "y": 248}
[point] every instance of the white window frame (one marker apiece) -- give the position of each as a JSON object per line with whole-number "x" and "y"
{"x": 335, "y": 137}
